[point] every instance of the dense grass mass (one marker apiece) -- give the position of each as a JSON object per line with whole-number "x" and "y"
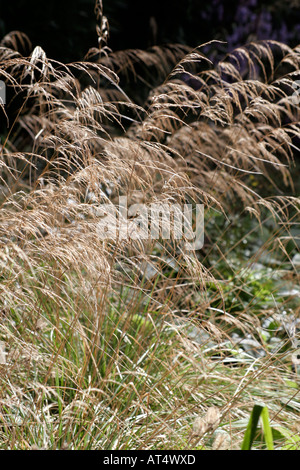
{"x": 142, "y": 344}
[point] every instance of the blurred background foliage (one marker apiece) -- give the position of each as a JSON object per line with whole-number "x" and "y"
{"x": 67, "y": 29}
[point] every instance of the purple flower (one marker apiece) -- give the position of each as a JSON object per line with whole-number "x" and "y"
{"x": 264, "y": 28}
{"x": 242, "y": 14}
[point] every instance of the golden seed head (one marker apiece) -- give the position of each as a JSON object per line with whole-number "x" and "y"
{"x": 221, "y": 441}
{"x": 210, "y": 421}
{"x": 199, "y": 427}
{"x": 212, "y": 417}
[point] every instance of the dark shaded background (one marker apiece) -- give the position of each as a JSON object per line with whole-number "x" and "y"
{"x": 66, "y": 29}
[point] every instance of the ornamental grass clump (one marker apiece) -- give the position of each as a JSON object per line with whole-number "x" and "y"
{"x": 114, "y": 342}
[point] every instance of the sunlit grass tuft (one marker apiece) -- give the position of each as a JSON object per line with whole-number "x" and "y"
{"x": 126, "y": 344}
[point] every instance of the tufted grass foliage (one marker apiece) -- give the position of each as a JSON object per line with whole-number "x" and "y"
{"x": 123, "y": 343}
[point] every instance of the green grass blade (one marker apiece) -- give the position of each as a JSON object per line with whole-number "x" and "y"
{"x": 257, "y": 412}
{"x": 268, "y": 435}
{"x": 252, "y": 427}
